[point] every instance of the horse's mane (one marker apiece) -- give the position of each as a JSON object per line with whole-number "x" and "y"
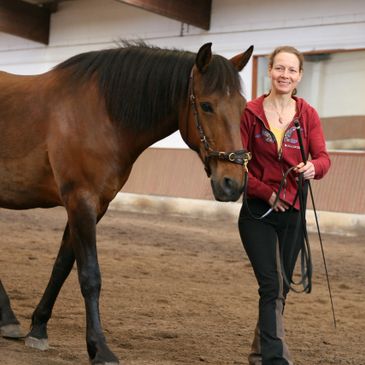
{"x": 145, "y": 84}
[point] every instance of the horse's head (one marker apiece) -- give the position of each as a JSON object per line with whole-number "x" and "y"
{"x": 213, "y": 126}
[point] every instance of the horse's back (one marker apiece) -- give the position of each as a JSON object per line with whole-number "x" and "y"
{"x": 23, "y": 114}
{"x": 25, "y": 173}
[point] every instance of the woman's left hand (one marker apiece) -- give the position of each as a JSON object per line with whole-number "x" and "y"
{"x": 307, "y": 170}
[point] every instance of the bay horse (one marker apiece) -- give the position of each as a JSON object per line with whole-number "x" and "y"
{"x": 69, "y": 137}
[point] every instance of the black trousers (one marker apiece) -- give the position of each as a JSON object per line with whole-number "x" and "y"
{"x": 271, "y": 244}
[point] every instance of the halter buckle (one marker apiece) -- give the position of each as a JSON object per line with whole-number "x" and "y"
{"x": 232, "y": 157}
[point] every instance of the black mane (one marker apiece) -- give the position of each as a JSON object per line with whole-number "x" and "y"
{"x": 144, "y": 84}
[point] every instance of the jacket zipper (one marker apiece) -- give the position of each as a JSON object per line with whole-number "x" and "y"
{"x": 280, "y": 155}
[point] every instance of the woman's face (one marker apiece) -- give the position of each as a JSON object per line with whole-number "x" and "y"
{"x": 285, "y": 73}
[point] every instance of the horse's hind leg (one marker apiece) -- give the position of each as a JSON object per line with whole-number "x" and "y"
{"x": 9, "y": 325}
{"x": 37, "y": 337}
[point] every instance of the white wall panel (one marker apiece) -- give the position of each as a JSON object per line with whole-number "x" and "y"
{"x": 83, "y": 25}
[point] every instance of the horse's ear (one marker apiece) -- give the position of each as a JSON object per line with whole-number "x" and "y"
{"x": 240, "y": 61}
{"x": 204, "y": 57}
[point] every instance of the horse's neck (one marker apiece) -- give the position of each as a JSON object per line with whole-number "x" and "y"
{"x": 140, "y": 140}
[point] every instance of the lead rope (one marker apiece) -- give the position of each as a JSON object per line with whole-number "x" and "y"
{"x": 306, "y": 258}
{"x": 324, "y": 258}
{"x": 297, "y": 126}
{"x": 282, "y": 182}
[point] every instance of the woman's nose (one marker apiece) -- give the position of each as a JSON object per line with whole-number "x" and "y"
{"x": 285, "y": 73}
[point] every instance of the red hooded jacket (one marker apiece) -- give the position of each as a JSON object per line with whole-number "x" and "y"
{"x": 267, "y": 166}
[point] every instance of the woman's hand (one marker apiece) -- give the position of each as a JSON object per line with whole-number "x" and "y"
{"x": 307, "y": 170}
{"x": 280, "y": 205}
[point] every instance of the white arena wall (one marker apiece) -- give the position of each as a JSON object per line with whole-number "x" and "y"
{"x": 84, "y": 25}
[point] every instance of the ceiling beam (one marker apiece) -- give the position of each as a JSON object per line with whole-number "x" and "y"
{"x": 194, "y": 12}
{"x": 25, "y": 20}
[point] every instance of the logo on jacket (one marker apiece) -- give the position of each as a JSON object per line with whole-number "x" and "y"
{"x": 267, "y": 136}
{"x": 289, "y": 138}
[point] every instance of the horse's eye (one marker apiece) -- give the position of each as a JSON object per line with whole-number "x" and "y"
{"x": 206, "y": 107}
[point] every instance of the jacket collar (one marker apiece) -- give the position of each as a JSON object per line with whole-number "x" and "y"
{"x": 256, "y": 107}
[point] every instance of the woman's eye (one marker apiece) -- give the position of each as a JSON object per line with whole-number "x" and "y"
{"x": 206, "y": 107}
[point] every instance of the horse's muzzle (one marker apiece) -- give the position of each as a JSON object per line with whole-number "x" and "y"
{"x": 226, "y": 190}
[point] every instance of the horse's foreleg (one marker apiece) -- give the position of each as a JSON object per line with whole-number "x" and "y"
{"x": 9, "y": 325}
{"x": 37, "y": 336}
{"x": 82, "y": 219}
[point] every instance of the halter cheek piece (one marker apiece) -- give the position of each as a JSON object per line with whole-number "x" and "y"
{"x": 240, "y": 157}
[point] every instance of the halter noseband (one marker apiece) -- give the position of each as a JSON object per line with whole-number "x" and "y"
{"x": 240, "y": 157}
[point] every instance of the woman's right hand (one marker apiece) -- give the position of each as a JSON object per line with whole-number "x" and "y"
{"x": 280, "y": 205}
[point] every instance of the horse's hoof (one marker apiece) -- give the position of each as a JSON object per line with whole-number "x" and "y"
{"x": 12, "y": 331}
{"x": 36, "y": 343}
{"x": 100, "y": 362}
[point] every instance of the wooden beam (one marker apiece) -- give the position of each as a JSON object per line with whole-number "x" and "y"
{"x": 194, "y": 12}
{"x": 255, "y": 66}
{"x": 25, "y": 20}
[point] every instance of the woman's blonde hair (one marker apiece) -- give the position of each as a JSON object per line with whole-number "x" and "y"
{"x": 287, "y": 49}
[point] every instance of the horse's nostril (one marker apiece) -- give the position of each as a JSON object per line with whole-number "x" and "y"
{"x": 229, "y": 184}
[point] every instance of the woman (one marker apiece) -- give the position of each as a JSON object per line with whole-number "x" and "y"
{"x": 273, "y": 243}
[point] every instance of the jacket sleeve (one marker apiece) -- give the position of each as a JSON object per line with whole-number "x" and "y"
{"x": 317, "y": 146}
{"x": 256, "y": 188}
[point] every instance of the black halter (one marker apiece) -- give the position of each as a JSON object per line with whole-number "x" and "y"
{"x": 240, "y": 157}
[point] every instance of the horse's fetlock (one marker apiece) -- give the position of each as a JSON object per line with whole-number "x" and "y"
{"x": 41, "y": 316}
{"x": 38, "y": 330}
